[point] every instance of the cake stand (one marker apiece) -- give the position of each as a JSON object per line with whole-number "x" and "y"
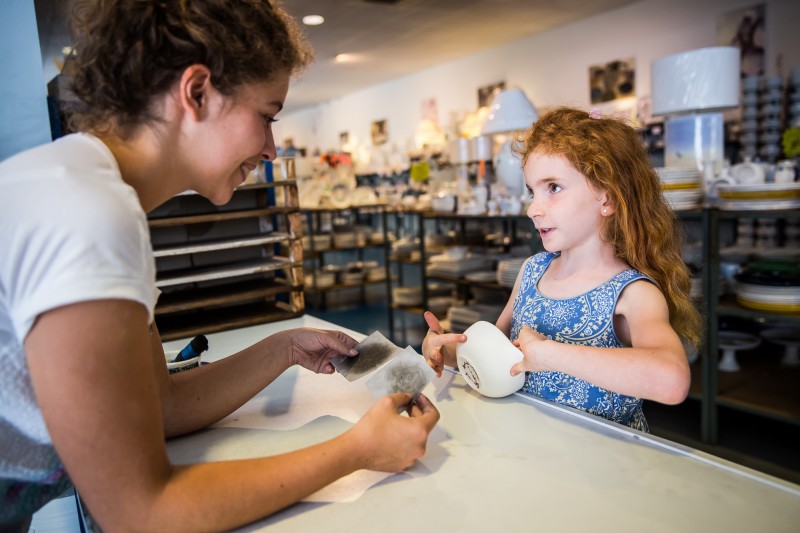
{"x": 731, "y": 342}
{"x": 790, "y": 339}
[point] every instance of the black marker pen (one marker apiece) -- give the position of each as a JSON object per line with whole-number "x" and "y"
{"x": 197, "y": 346}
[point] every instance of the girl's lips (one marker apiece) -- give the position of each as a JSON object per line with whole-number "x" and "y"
{"x": 544, "y": 231}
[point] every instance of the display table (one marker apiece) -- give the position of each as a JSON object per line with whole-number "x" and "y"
{"x": 520, "y": 463}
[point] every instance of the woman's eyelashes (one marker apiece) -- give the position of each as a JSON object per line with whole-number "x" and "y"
{"x": 268, "y": 120}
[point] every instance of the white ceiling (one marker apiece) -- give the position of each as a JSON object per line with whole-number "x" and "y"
{"x": 390, "y": 38}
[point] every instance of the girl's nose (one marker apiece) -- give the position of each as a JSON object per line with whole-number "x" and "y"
{"x": 533, "y": 209}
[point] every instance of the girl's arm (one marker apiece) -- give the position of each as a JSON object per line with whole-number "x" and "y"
{"x": 654, "y": 367}
{"x": 95, "y": 382}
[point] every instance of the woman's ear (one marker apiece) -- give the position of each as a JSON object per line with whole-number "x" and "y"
{"x": 195, "y": 84}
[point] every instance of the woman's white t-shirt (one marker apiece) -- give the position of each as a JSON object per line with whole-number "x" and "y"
{"x": 71, "y": 230}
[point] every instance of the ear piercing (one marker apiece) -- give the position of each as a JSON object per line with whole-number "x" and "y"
{"x": 605, "y": 211}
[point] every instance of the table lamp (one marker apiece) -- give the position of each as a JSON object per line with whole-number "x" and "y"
{"x": 510, "y": 111}
{"x": 691, "y": 89}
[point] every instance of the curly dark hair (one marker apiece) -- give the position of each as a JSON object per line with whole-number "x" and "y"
{"x": 644, "y": 230}
{"x": 130, "y": 51}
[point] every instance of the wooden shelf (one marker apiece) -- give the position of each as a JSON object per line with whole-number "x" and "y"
{"x": 222, "y": 267}
{"x": 162, "y": 222}
{"x": 223, "y": 271}
{"x": 244, "y": 291}
{"x": 340, "y": 286}
{"x": 189, "y": 324}
{"x": 221, "y": 244}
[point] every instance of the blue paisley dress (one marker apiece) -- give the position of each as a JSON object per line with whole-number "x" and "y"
{"x": 586, "y": 319}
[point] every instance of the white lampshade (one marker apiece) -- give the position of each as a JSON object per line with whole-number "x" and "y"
{"x": 706, "y": 79}
{"x": 510, "y": 111}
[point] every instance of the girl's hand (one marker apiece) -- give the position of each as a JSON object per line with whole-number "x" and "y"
{"x": 433, "y": 345}
{"x": 530, "y": 343}
{"x": 313, "y": 348}
{"x": 390, "y": 441}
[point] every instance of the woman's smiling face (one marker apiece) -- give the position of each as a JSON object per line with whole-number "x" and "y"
{"x": 238, "y": 136}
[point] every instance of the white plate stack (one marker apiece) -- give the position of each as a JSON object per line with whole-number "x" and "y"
{"x": 749, "y": 136}
{"x": 444, "y": 265}
{"x": 768, "y": 298}
{"x": 682, "y": 187}
{"x": 770, "y": 123}
{"x": 407, "y": 296}
{"x": 507, "y": 270}
{"x": 794, "y": 102}
{"x": 461, "y": 317}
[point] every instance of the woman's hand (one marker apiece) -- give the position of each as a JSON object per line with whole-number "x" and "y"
{"x": 433, "y": 345}
{"x": 313, "y": 348}
{"x": 390, "y": 441}
{"x": 530, "y": 343}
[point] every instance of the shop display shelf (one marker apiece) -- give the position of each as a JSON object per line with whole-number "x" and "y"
{"x": 229, "y": 266}
{"x": 222, "y": 244}
{"x": 242, "y": 291}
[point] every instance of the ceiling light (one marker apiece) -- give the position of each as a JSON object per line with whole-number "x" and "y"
{"x": 313, "y": 20}
{"x": 344, "y": 58}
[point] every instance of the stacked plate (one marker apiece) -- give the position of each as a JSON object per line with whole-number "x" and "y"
{"x": 444, "y": 265}
{"x": 507, "y": 270}
{"x": 461, "y": 317}
{"x": 769, "y": 286}
{"x": 407, "y": 295}
{"x": 682, "y": 187}
{"x": 321, "y": 242}
{"x": 759, "y": 196}
{"x": 482, "y": 276}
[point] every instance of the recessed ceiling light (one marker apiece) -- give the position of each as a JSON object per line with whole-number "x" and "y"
{"x": 344, "y": 58}
{"x": 313, "y": 20}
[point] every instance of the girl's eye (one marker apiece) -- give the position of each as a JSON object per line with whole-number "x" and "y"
{"x": 268, "y": 120}
{"x": 530, "y": 192}
{"x": 554, "y": 188}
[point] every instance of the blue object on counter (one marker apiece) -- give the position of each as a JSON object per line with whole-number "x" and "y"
{"x": 197, "y": 346}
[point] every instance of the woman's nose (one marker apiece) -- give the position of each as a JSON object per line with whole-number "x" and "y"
{"x": 269, "y": 152}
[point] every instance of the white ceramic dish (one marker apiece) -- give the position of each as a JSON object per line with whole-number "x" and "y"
{"x": 486, "y": 358}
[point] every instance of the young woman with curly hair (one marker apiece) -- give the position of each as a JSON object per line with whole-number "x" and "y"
{"x": 169, "y": 96}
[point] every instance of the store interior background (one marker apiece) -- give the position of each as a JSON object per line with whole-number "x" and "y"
{"x": 550, "y": 66}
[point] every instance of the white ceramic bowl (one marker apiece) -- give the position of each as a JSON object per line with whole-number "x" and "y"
{"x": 486, "y": 358}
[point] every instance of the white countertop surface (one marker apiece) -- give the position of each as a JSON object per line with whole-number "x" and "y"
{"x": 520, "y": 462}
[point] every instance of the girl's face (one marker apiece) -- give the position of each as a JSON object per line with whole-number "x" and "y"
{"x": 238, "y": 135}
{"x": 565, "y": 209}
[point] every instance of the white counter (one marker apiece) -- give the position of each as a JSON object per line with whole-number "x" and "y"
{"x": 519, "y": 462}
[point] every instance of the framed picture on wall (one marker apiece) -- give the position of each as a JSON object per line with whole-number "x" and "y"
{"x": 487, "y": 92}
{"x": 380, "y": 132}
{"x": 344, "y": 139}
{"x": 745, "y": 28}
{"x": 612, "y": 80}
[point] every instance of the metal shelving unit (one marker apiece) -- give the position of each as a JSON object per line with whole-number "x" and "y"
{"x": 743, "y": 398}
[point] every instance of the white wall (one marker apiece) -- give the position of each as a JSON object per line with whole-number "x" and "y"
{"x": 24, "y": 121}
{"x": 551, "y": 67}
